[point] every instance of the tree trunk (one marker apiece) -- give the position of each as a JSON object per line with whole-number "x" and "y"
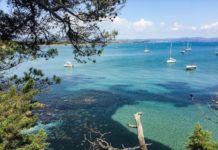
{"x": 141, "y": 139}
{"x": 100, "y": 142}
{"x": 142, "y": 144}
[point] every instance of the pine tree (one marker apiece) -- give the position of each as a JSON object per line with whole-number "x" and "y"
{"x": 16, "y": 115}
{"x": 201, "y": 140}
{"x": 23, "y": 28}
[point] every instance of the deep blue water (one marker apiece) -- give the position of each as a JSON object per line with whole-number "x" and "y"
{"x": 105, "y": 95}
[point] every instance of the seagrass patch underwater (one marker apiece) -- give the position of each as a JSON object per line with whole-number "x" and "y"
{"x": 125, "y": 80}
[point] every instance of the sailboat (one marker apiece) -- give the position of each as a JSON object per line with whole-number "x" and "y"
{"x": 170, "y": 59}
{"x": 146, "y": 50}
{"x": 188, "y": 48}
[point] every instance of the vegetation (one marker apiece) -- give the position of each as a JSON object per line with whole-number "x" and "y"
{"x": 201, "y": 140}
{"x": 16, "y": 116}
{"x": 29, "y": 23}
{"x": 25, "y": 25}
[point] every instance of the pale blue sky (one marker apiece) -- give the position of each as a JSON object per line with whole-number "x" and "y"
{"x": 142, "y": 19}
{"x": 167, "y": 19}
{"x": 188, "y": 11}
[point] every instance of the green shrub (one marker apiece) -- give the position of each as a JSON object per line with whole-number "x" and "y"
{"x": 201, "y": 140}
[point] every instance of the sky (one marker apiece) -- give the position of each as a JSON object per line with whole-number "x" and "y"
{"x": 158, "y": 19}
{"x": 146, "y": 19}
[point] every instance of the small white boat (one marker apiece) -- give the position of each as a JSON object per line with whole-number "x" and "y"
{"x": 68, "y": 64}
{"x": 191, "y": 67}
{"x": 170, "y": 59}
{"x": 147, "y": 51}
{"x": 183, "y": 51}
{"x": 188, "y": 48}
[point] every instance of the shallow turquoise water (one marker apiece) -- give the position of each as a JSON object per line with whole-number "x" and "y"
{"x": 124, "y": 80}
{"x": 171, "y": 127}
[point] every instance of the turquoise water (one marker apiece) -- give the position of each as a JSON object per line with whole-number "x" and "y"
{"x": 105, "y": 95}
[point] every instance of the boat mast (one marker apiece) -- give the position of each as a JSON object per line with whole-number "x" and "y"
{"x": 170, "y": 49}
{"x": 146, "y": 46}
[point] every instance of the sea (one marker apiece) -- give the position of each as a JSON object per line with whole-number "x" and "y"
{"x": 104, "y": 96}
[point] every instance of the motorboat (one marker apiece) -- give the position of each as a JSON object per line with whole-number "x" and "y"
{"x": 183, "y": 51}
{"x": 191, "y": 67}
{"x": 68, "y": 64}
{"x": 147, "y": 50}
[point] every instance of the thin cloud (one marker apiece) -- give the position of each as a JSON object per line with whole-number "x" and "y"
{"x": 211, "y": 26}
{"x": 142, "y": 28}
{"x": 176, "y": 27}
{"x": 142, "y": 25}
{"x": 162, "y": 24}
{"x": 122, "y": 23}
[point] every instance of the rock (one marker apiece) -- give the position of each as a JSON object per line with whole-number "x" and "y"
{"x": 40, "y": 106}
{"x": 29, "y": 113}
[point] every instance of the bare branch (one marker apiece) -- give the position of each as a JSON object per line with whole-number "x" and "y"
{"x": 101, "y": 144}
{"x": 131, "y": 126}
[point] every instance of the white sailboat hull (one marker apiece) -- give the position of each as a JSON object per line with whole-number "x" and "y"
{"x": 188, "y": 49}
{"x": 171, "y": 60}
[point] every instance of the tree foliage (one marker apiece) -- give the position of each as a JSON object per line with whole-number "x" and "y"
{"x": 23, "y": 27}
{"x": 201, "y": 140}
{"x": 16, "y": 116}
{"x": 37, "y": 75}
{"x": 28, "y": 23}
